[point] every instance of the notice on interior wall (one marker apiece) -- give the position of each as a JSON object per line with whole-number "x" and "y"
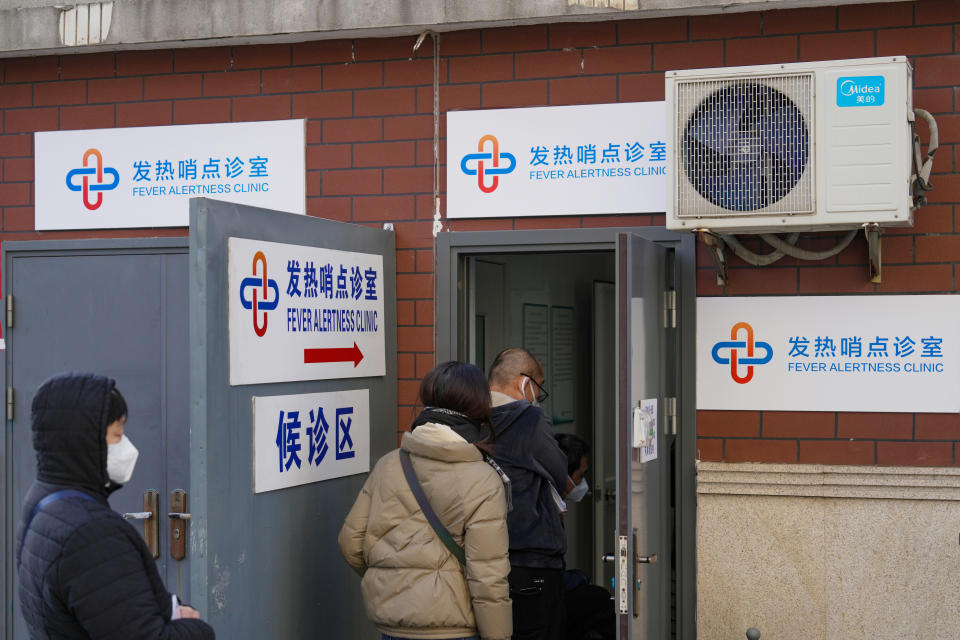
{"x": 829, "y": 353}
{"x": 536, "y": 333}
{"x": 562, "y": 362}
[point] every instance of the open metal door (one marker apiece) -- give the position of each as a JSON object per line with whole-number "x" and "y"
{"x": 267, "y": 563}
{"x": 643, "y": 553}
{"x": 649, "y": 259}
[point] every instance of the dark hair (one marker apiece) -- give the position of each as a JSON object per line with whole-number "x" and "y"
{"x": 117, "y": 408}
{"x": 458, "y": 386}
{"x": 575, "y": 447}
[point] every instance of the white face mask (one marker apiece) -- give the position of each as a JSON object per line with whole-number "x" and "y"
{"x": 523, "y": 391}
{"x": 576, "y": 494}
{"x": 121, "y": 459}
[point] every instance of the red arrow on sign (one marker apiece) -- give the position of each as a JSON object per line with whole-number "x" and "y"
{"x": 335, "y": 354}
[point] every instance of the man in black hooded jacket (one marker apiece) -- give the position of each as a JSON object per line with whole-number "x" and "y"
{"x": 84, "y": 571}
{"x": 525, "y": 448}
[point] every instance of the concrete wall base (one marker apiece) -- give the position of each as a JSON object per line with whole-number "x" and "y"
{"x": 824, "y": 552}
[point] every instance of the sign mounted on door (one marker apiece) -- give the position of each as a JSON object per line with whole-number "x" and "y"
{"x": 145, "y": 176}
{"x": 304, "y": 313}
{"x": 300, "y": 439}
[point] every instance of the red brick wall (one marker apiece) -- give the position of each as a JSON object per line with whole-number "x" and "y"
{"x": 369, "y": 159}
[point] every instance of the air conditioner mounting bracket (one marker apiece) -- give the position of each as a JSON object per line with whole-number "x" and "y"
{"x": 873, "y": 232}
{"x": 715, "y": 243}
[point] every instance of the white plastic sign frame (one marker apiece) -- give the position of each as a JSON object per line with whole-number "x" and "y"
{"x": 869, "y": 353}
{"x": 145, "y": 176}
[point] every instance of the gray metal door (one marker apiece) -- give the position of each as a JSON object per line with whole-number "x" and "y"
{"x": 643, "y": 503}
{"x": 115, "y": 307}
{"x": 270, "y": 565}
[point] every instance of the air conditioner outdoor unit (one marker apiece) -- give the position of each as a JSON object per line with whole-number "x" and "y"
{"x": 790, "y": 147}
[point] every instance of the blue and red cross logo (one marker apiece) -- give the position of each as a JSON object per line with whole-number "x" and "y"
{"x": 96, "y": 171}
{"x": 488, "y": 158}
{"x": 259, "y": 304}
{"x": 742, "y": 351}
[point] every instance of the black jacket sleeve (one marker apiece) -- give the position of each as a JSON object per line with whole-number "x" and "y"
{"x": 110, "y": 585}
{"x": 548, "y": 454}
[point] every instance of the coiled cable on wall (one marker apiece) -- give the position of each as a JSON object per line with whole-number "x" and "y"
{"x": 805, "y": 254}
{"x": 924, "y": 167}
{"x": 757, "y": 259}
{"x": 783, "y": 247}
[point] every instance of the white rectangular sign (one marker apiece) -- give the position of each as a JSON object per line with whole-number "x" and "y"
{"x": 544, "y": 161}
{"x": 832, "y": 353}
{"x": 307, "y": 438}
{"x": 648, "y": 440}
{"x": 304, "y": 313}
{"x": 145, "y": 176}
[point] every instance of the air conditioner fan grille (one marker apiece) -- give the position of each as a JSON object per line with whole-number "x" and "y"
{"x": 745, "y": 146}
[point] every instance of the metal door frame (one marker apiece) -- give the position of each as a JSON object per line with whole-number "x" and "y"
{"x": 37, "y": 248}
{"x": 452, "y": 248}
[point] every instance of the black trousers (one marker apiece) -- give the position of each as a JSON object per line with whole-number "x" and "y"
{"x": 590, "y": 613}
{"x": 538, "y": 610}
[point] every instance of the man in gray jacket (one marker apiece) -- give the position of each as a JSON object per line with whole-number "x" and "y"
{"x": 524, "y": 446}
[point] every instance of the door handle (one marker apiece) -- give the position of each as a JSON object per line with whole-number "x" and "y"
{"x": 637, "y": 561}
{"x": 608, "y": 557}
{"x": 151, "y": 524}
{"x": 178, "y": 516}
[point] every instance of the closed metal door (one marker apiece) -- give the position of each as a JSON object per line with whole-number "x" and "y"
{"x": 644, "y": 546}
{"x": 117, "y": 308}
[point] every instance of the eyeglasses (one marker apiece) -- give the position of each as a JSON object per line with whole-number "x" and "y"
{"x": 542, "y": 394}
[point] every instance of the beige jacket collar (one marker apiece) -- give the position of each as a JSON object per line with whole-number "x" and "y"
{"x": 439, "y": 442}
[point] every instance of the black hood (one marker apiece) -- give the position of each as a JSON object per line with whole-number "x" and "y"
{"x": 69, "y": 416}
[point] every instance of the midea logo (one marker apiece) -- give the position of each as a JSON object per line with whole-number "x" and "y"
{"x": 851, "y": 88}
{"x": 860, "y": 91}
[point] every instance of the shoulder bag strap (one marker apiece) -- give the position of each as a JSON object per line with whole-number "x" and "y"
{"x": 40, "y": 506}
{"x": 504, "y": 478}
{"x": 445, "y": 537}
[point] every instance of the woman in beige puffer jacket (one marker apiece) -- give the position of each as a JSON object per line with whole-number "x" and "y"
{"x": 412, "y": 585}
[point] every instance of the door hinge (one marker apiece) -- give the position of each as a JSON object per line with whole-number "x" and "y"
{"x": 9, "y": 311}
{"x": 670, "y": 309}
{"x": 670, "y": 414}
{"x": 10, "y": 403}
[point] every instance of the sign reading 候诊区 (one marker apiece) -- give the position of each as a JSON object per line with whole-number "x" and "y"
{"x": 578, "y": 160}
{"x": 145, "y": 176}
{"x": 299, "y": 439}
{"x": 831, "y": 353}
{"x": 304, "y": 313}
